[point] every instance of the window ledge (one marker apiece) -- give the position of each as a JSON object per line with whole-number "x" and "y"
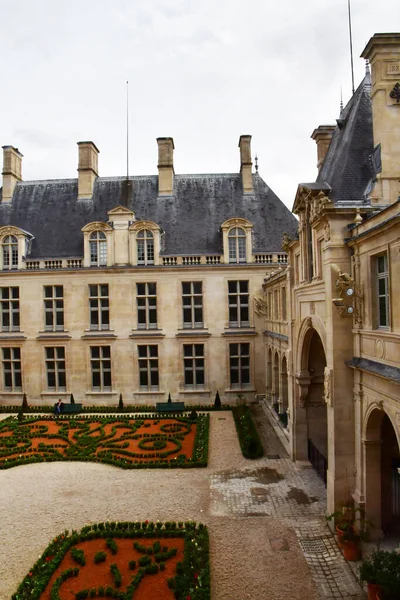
{"x": 148, "y": 393}
{"x": 53, "y": 335}
{"x": 193, "y": 332}
{"x": 184, "y": 391}
{"x": 10, "y": 393}
{"x": 101, "y": 393}
{"x": 239, "y": 331}
{"x": 147, "y": 333}
{"x": 9, "y": 335}
{"x": 55, "y": 393}
{"x": 241, "y": 391}
{"x": 98, "y": 335}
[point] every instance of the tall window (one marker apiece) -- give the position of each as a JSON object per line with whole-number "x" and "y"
{"x": 12, "y": 369}
{"x": 284, "y": 317}
{"x": 192, "y": 302}
{"x": 99, "y": 306}
{"x": 276, "y": 305}
{"x": 382, "y": 275}
{"x": 239, "y": 365}
{"x": 147, "y": 305}
{"x": 237, "y": 245}
{"x": 55, "y": 368}
{"x": 53, "y": 307}
{"x": 148, "y": 367}
{"x": 9, "y": 305}
{"x": 98, "y": 249}
{"x": 238, "y": 298}
{"x": 145, "y": 247}
{"x": 193, "y": 365}
{"x": 10, "y": 252}
{"x": 100, "y": 362}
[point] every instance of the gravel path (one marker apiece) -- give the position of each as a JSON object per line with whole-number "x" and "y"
{"x": 255, "y": 554}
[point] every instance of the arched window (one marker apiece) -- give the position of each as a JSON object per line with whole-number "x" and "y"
{"x": 98, "y": 249}
{"x": 145, "y": 247}
{"x": 237, "y": 245}
{"x": 10, "y": 252}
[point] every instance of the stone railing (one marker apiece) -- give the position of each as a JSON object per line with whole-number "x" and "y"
{"x": 63, "y": 263}
{"x": 270, "y": 258}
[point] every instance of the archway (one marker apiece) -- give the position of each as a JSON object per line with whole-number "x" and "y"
{"x": 382, "y": 478}
{"x": 269, "y": 375}
{"x": 284, "y": 392}
{"x": 275, "y": 396}
{"x": 315, "y": 406}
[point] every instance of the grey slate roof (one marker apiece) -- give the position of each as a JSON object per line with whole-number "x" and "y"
{"x": 191, "y": 219}
{"x": 347, "y": 166}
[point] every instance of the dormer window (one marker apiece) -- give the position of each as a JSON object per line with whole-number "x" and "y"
{"x": 237, "y": 245}
{"x": 10, "y": 252}
{"x": 145, "y": 247}
{"x": 236, "y": 239}
{"x": 98, "y": 249}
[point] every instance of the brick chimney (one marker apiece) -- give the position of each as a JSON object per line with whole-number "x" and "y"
{"x": 383, "y": 53}
{"x": 165, "y": 166}
{"x": 322, "y": 136}
{"x": 12, "y": 164}
{"x": 245, "y": 163}
{"x": 87, "y": 169}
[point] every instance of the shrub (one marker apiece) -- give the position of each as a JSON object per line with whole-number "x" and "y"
{"x": 111, "y": 545}
{"x": 78, "y": 556}
{"x": 217, "y": 401}
{"x": 120, "y": 403}
{"x": 193, "y": 415}
{"x": 132, "y": 565}
{"x": 169, "y": 398}
{"x": 82, "y": 594}
{"x": 24, "y": 402}
{"x": 249, "y": 439}
{"x": 100, "y": 557}
{"x": 116, "y": 573}
{"x": 144, "y": 561}
{"x": 72, "y": 399}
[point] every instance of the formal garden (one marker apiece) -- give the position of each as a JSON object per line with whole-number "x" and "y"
{"x": 124, "y": 560}
{"x": 143, "y": 441}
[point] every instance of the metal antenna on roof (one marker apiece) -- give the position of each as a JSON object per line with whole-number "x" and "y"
{"x": 351, "y": 47}
{"x": 127, "y": 130}
{"x": 256, "y": 163}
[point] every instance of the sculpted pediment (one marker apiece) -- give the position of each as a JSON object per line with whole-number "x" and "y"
{"x": 139, "y": 225}
{"x": 121, "y": 211}
{"x": 96, "y": 226}
{"x": 237, "y": 222}
{"x": 12, "y": 230}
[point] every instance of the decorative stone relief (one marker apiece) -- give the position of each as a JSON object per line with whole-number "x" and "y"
{"x": 380, "y": 349}
{"x": 308, "y": 322}
{"x": 327, "y": 232}
{"x": 312, "y": 307}
{"x": 328, "y": 385}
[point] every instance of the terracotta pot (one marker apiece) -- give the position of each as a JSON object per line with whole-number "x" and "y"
{"x": 373, "y": 589}
{"x": 351, "y": 550}
{"x": 339, "y": 535}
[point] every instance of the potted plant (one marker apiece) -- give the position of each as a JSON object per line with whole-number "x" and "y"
{"x": 390, "y": 579}
{"x": 372, "y": 572}
{"x": 349, "y": 540}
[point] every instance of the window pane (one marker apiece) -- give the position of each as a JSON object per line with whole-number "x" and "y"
{"x": 152, "y": 288}
{"x": 154, "y": 377}
{"x": 382, "y": 312}
{"x": 106, "y": 351}
{"x": 232, "y": 287}
{"x": 107, "y": 379}
{"x": 140, "y": 289}
{"x": 186, "y": 287}
{"x": 244, "y": 286}
{"x": 142, "y": 351}
{"x": 143, "y": 379}
{"x": 187, "y": 350}
{"x": 153, "y": 350}
{"x": 95, "y": 350}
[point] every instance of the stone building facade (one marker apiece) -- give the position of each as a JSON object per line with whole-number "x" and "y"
{"x": 343, "y": 292}
{"x": 143, "y": 286}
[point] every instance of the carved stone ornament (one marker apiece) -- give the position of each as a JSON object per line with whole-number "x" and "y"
{"x": 286, "y": 240}
{"x": 312, "y": 307}
{"x": 10, "y": 230}
{"x": 395, "y": 93}
{"x": 96, "y": 226}
{"x": 260, "y": 306}
{"x": 308, "y": 323}
{"x": 140, "y": 225}
{"x": 328, "y": 385}
{"x": 327, "y": 232}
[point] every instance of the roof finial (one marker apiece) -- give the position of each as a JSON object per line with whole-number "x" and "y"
{"x": 367, "y": 71}
{"x": 341, "y": 100}
{"x": 256, "y": 163}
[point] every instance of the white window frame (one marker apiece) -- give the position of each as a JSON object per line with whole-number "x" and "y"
{"x": 147, "y": 365}
{"x": 382, "y": 277}
{"x": 145, "y": 247}
{"x": 10, "y": 252}
{"x": 9, "y": 306}
{"x": 146, "y": 305}
{"x": 13, "y": 366}
{"x": 237, "y": 241}
{"x": 53, "y": 307}
{"x": 194, "y": 364}
{"x": 192, "y": 303}
{"x": 241, "y": 356}
{"x": 102, "y": 369}
{"x": 99, "y": 307}
{"x": 239, "y": 300}
{"x": 98, "y": 249}
{"x": 55, "y": 364}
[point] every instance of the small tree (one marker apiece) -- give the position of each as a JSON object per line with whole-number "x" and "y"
{"x": 169, "y": 398}
{"x": 120, "y": 403}
{"x": 24, "y": 402}
{"x": 72, "y": 399}
{"x": 217, "y": 401}
{"x": 20, "y": 415}
{"x": 193, "y": 415}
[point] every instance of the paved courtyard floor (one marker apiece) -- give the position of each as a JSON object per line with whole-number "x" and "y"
{"x": 268, "y": 537}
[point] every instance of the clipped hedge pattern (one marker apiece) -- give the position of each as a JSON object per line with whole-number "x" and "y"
{"x": 95, "y": 445}
{"x": 249, "y": 439}
{"x": 191, "y": 580}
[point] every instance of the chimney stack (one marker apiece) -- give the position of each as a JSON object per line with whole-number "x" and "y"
{"x": 245, "y": 163}
{"x": 165, "y": 166}
{"x": 12, "y": 164}
{"x": 322, "y": 136}
{"x": 87, "y": 169}
{"x": 383, "y": 53}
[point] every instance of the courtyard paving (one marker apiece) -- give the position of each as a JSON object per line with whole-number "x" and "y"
{"x": 268, "y": 537}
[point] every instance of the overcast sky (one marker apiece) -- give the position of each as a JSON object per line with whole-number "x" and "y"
{"x": 201, "y": 71}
